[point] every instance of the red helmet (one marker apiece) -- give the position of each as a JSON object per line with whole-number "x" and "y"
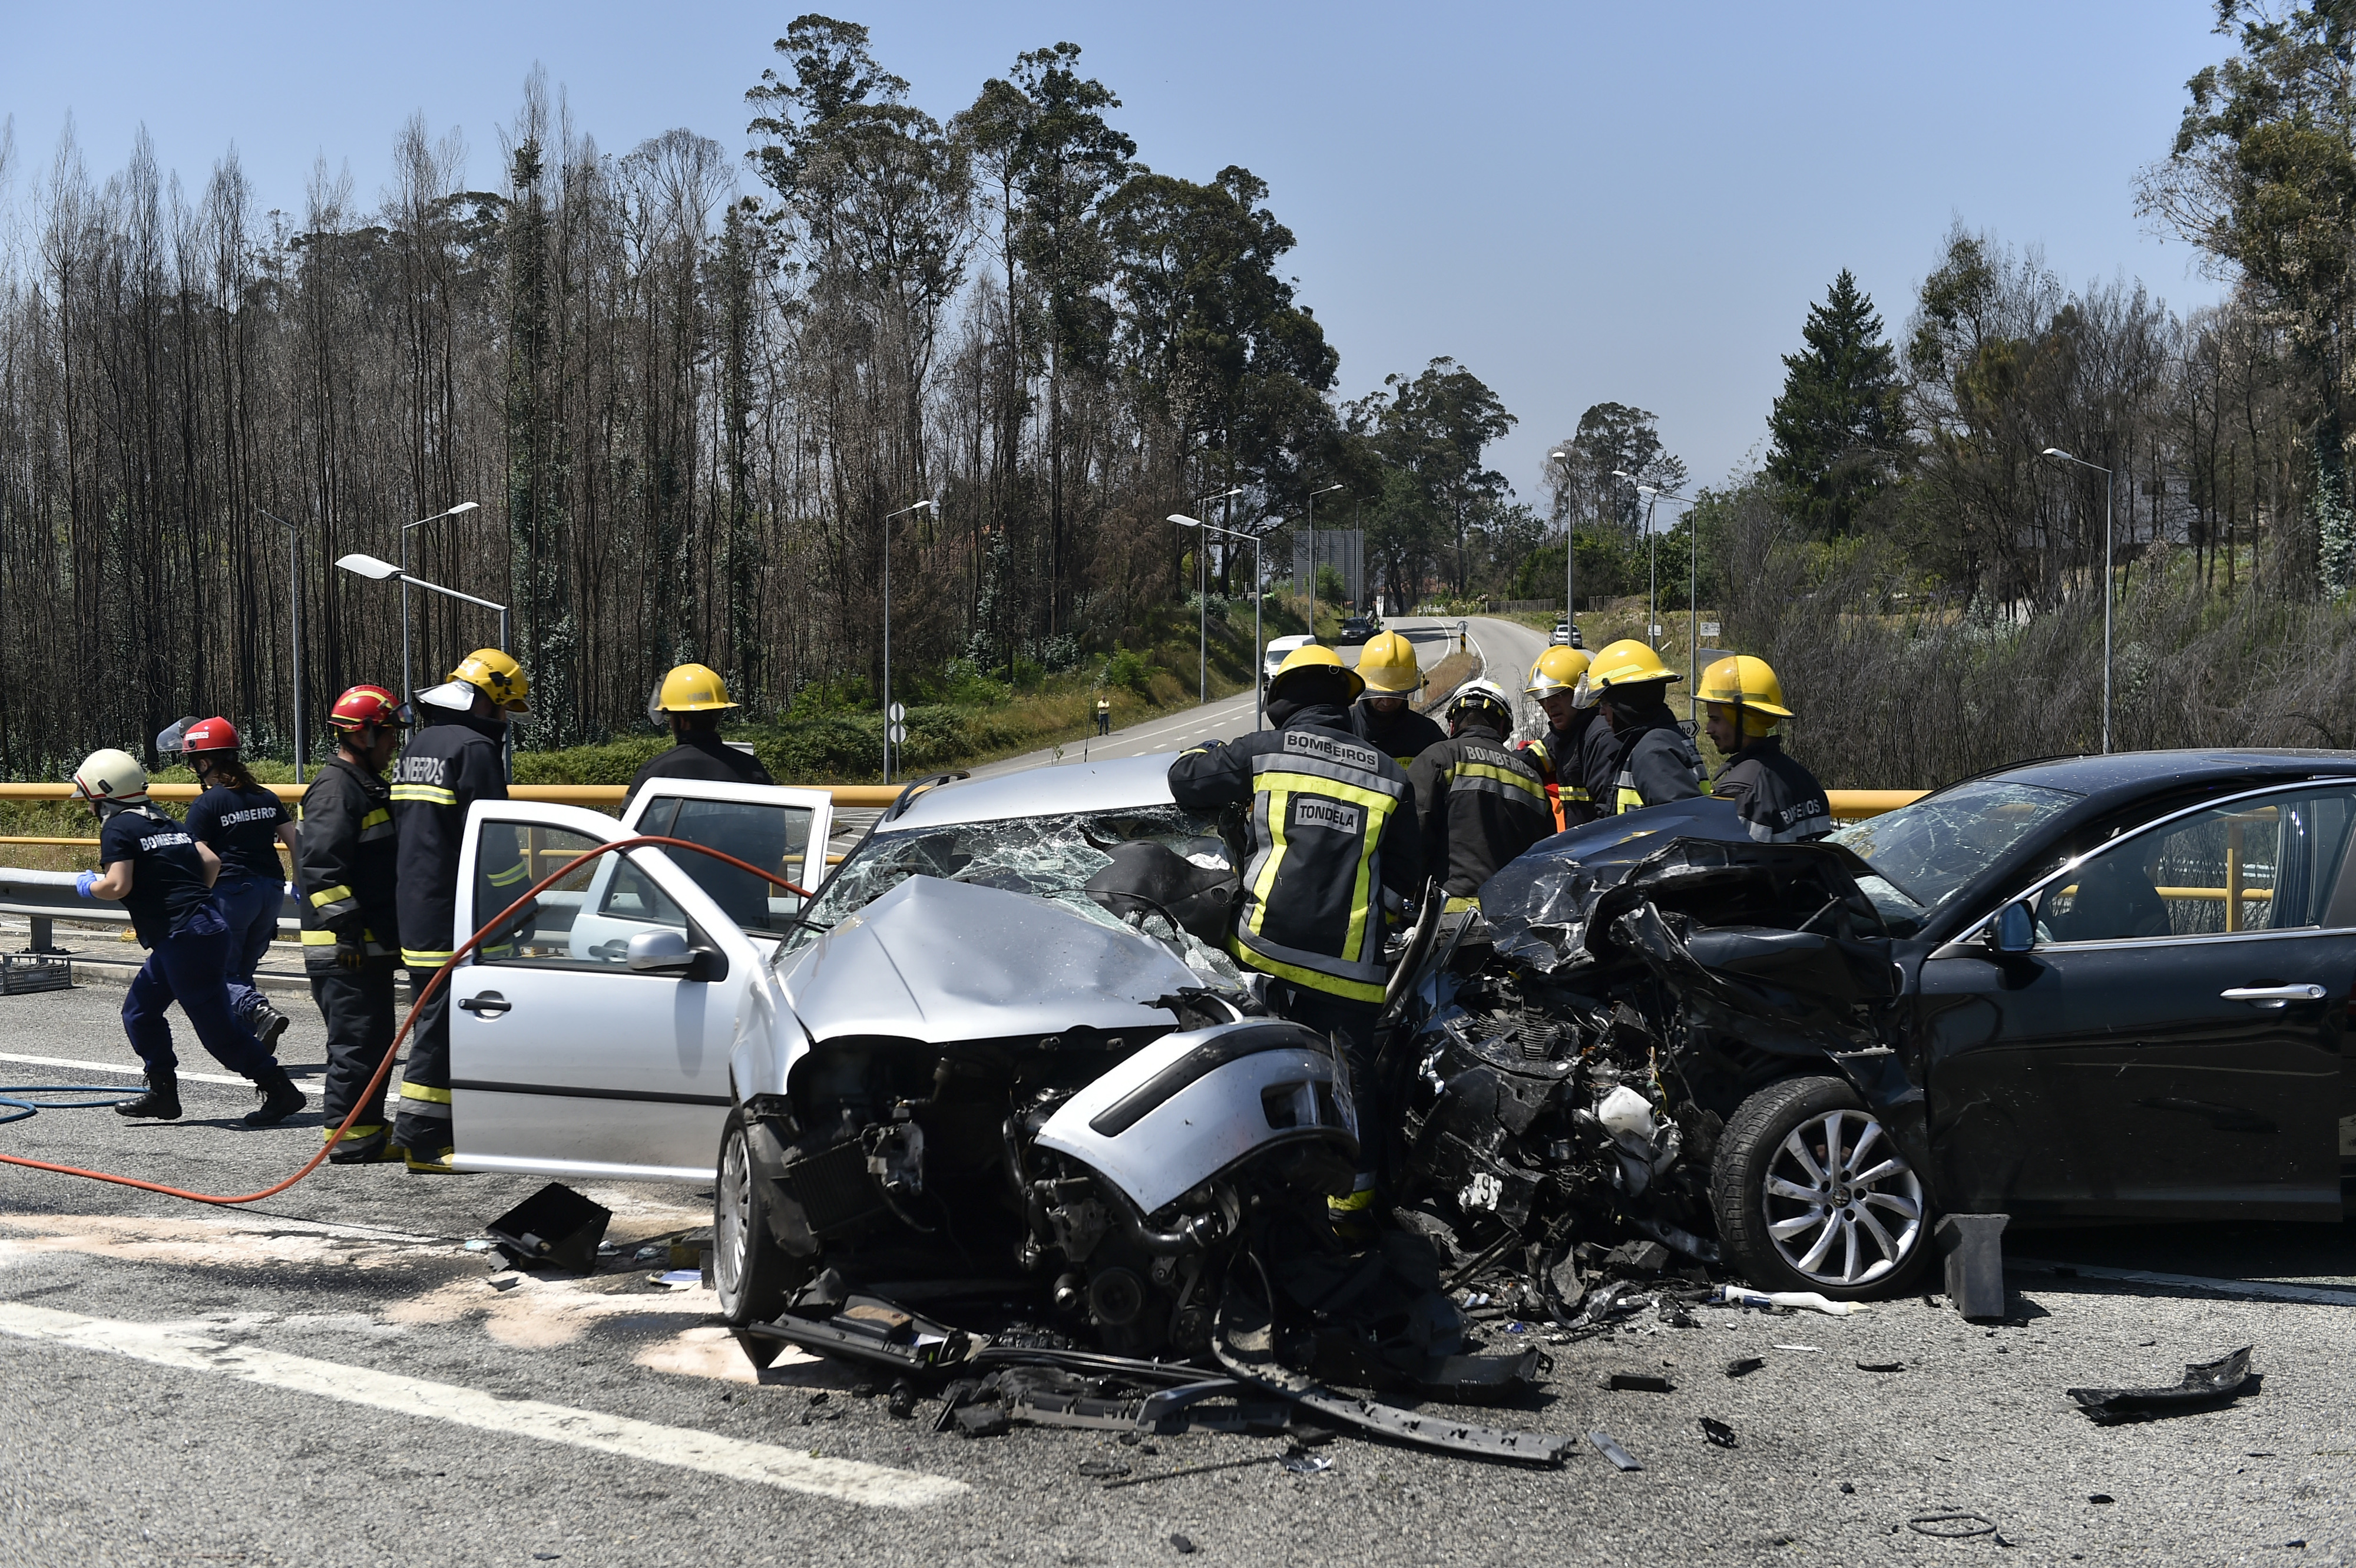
{"x": 210, "y": 735}
{"x": 365, "y": 705}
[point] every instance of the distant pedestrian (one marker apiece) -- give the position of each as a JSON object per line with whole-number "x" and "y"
{"x": 1103, "y": 715}
{"x": 243, "y": 824}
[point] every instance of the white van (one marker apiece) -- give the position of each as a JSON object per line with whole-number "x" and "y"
{"x": 1277, "y": 647}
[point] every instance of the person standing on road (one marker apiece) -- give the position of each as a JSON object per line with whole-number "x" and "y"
{"x": 1478, "y": 803}
{"x": 164, "y": 878}
{"x": 690, "y": 700}
{"x": 1330, "y": 841}
{"x": 1657, "y": 763}
{"x": 1557, "y": 754}
{"x": 1103, "y": 715}
{"x": 1385, "y": 718}
{"x": 243, "y": 824}
{"x": 448, "y": 767}
{"x": 346, "y": 851}
{"x": 1778, "y": 801}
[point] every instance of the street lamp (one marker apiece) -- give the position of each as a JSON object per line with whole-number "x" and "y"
{"x": 2059, "y": 456}
{"x": 408, "y": 682}
{"x": 1312, "y": 555}
{"x": 1569, "y": 554}
{"x": 377, "y": 571}
{"x": 1203, "y": 597}
{"x": 295, "y": 639}
{"x": 1259, "y": 576}
{"x": 1653, "y": 496}
{"x": 888, "y": 720}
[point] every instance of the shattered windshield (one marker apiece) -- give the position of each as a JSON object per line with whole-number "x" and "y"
{"x": 1928, "y": 851}
{"x": 1048, "y": 857}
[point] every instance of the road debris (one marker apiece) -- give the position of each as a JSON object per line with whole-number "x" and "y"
{"x": 1787, "y": 1300}
{"x": 1609, "y": 1446}
{"x": 1973, "y": 1246}
{"x": 1952, "y": 1525}
{"x": 1881, "y": 1366}
{"x": 2206, "y": 1385}
{"x": 555, "y": 1226}
{"x": 1744, "y": 1365}
{"x": 1718, "y": 1434}
{"x": 1637, "y": 1382}
{"x": 1300, "y": 1462}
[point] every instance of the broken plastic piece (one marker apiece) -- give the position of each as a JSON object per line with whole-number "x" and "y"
{"x": 1644, "y": 1258}
{"x": 1303, "y": 1463}
{"x": 555, "y": 1225}
{"x": 1103, "y": 1469}
{"x": 1638, "y": 1382}
{"x": 1881, "y": 1366}
{"x": 1185, "y": 1546}
{"x": 2101, "y": 1497}
{"x": 1718, "y": 1434}
{"x": 903, "y": 1399}
{"x": 1811, "y": 1301}
{"x": 981, "y": 1421}
{"x": 1744, "y": 1365}
{"x": 679, "y": 1279}
{"x": 2206, "y": 1385}
{"x": 1973, "y": 1245}
{"x": 1609, "y": 1446}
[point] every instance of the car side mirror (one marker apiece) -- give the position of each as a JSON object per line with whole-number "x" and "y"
{"x": 2014, "y": 929}
{"x": 664, "y": 951}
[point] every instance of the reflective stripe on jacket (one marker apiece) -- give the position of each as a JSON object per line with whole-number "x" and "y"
{"x": 1478, "y": 805}
{"x": 1780, "y": 801}
{"x": 1331, "y": 826}
{"x": 445, "y": 769}
{"x": 345, "y": 865}
{"x": 1557, "y": 756}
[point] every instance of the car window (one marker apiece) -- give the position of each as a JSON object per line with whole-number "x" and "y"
{"x": 761, "y": 833}
{"x": 2253, "y": 866}
{"x": 1933, "y": 849}
{"x": 511, "y": 856}
{"x": 1046, "y": 856}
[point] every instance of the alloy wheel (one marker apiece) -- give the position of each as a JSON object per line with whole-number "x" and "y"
{"x": 1842, "y": 1206}
{"x": 732, "y": 1218}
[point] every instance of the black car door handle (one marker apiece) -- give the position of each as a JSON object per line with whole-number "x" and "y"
{"x": 2273, "y": 996}
{"x": 489, "y": 1005}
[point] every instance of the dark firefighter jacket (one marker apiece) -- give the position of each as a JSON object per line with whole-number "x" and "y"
{"x": 1778, "y": 799}
{"x": 1332, "y": 825}
{"x": 1479, "y": 805}
{"x": 1402, "y": 737}
{"x": 1600, "y": 750}
{"x": 346, "y": 854}
{"x": 701, "y": 754}
{"x": 1657, "y": 763}
{"x": 1559, "y": 757}
{"x": 446, "y": 768}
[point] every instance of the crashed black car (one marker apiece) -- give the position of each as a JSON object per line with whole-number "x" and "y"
{"x": 2090, "y": 988}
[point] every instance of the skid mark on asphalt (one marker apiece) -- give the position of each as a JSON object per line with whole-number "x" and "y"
{"x": 845, "y": 1480}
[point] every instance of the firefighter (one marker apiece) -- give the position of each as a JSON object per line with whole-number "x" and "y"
{"x": 165, "y": 878}
{"x": 345, "y": 854}
{"x": 448, "y": 766}
{"x": 1479, "y": 804}
{"x": 690, "y": 700}
{"x": 243, "y": 824}
{"x": 1382, "y": 718}
{"x": 1780, "y": 800}
{"x": 1330, "y": 840}
{"x": 1556, "y": 755}
{"x": 1657, "y": 762}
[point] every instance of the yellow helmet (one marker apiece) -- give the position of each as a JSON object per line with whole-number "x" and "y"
{"x": 1315, "y": 656}
{"x": 1749, "y": 686}
{"x": 1626, "y": 662}
{"x": 1557, "y": 671}
{"x": 692, "y": 689}
{"x": 497, "y": 676}
{"x": 1386, "y": 664}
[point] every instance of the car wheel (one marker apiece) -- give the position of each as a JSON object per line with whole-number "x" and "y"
{"x": 752, "y": 1274}
{"x": 1811, "y": 1194}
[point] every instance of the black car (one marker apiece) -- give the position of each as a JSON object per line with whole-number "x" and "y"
{"x": 1358, "y": 628}
{"x": 2081, "y": 989}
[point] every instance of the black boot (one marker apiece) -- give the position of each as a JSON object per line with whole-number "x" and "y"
{"x": 279, "y": 1098}
{"x": 161, "y": 1101}
{"x": 268, "y": 1023}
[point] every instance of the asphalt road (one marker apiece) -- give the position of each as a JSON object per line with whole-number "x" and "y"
{"x": 331, "y": 1378}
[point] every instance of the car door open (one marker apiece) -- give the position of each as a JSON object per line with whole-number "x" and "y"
{"x": 575, "y": 1052}
{"x": 776, "y": 827}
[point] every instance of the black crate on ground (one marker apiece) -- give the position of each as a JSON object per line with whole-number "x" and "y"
{"x": 31, "y": 971}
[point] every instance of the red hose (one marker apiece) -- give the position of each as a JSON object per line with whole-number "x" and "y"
{"x": 431, "y": 985}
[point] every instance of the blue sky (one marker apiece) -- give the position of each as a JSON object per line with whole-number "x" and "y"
{"x": 1579, "y": 202}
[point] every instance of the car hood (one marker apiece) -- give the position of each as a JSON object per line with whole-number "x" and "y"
{"x": 939, "y": 961}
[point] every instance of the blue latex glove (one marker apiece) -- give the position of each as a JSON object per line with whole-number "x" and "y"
{"x": 85, "y": 882}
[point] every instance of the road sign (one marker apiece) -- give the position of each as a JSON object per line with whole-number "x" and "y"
{"x": 1710, "y": 628}
{"x": 896, "y": 734}
{"x": 897, "y": 713}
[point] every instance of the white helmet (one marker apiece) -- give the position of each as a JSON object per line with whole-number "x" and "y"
{"x": 110, "y": 775}
{"x": 1479, "y": 691}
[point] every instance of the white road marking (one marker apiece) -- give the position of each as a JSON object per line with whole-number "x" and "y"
{"x": 134, "y": 1071}
{"x": 845, "y": 1480}
{"x": 2260, "y": 1290}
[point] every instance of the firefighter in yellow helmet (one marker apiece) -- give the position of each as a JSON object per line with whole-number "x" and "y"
{"x": 1554, "y": 682}
{"x": 690, "y": 703}
{"x": 447, "y": 767}
{"x": 1479, "y": 805}
{"x": 1330, "y": 838}
{"x": 1385, "y": 717}
{"x": 1651, "y": 760}
{"x": 1780, "y": 801}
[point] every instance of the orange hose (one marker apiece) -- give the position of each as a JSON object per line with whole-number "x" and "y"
{"x": 431, "y": 985}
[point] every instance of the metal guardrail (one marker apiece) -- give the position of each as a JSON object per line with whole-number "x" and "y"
{"x": 557, "y": 794}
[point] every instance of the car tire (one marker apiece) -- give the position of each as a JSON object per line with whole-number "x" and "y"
{"x": 752, "y": 1274}
{"x": 1791, "y": 1219}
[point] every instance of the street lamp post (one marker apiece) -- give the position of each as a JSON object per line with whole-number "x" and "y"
{"x": 1312, "y": 555}
{"x": 1203, "y": 597}
{"x": 369, "y": 567}
{"x": 295, "y": 638}
{"x": 1260, "y": 576}
{"x": 408, "y": 680}
{"x": 919, "y": 506}
{"x": 2059, "y": 456}
{"x": 1569, "y": 560}
{"x": 1653, "y": 496}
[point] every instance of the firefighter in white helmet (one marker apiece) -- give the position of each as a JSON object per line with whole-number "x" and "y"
{"x": 1479, "y": 803}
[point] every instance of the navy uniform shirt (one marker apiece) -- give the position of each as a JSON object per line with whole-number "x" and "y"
{"x": 167, "y": 875}
{"x": 241, "y": 827}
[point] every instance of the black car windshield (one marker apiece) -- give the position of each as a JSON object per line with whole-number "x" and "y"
{"x": 1931, "y": 850}
{"x": 1046, "y": 856}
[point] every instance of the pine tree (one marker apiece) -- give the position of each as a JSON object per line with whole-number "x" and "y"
{"x": 1836, "y": 424}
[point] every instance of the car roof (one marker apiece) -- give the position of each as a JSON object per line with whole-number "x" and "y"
{"x": 2139, "y": 771}
{"x": 1110, "y": 785}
